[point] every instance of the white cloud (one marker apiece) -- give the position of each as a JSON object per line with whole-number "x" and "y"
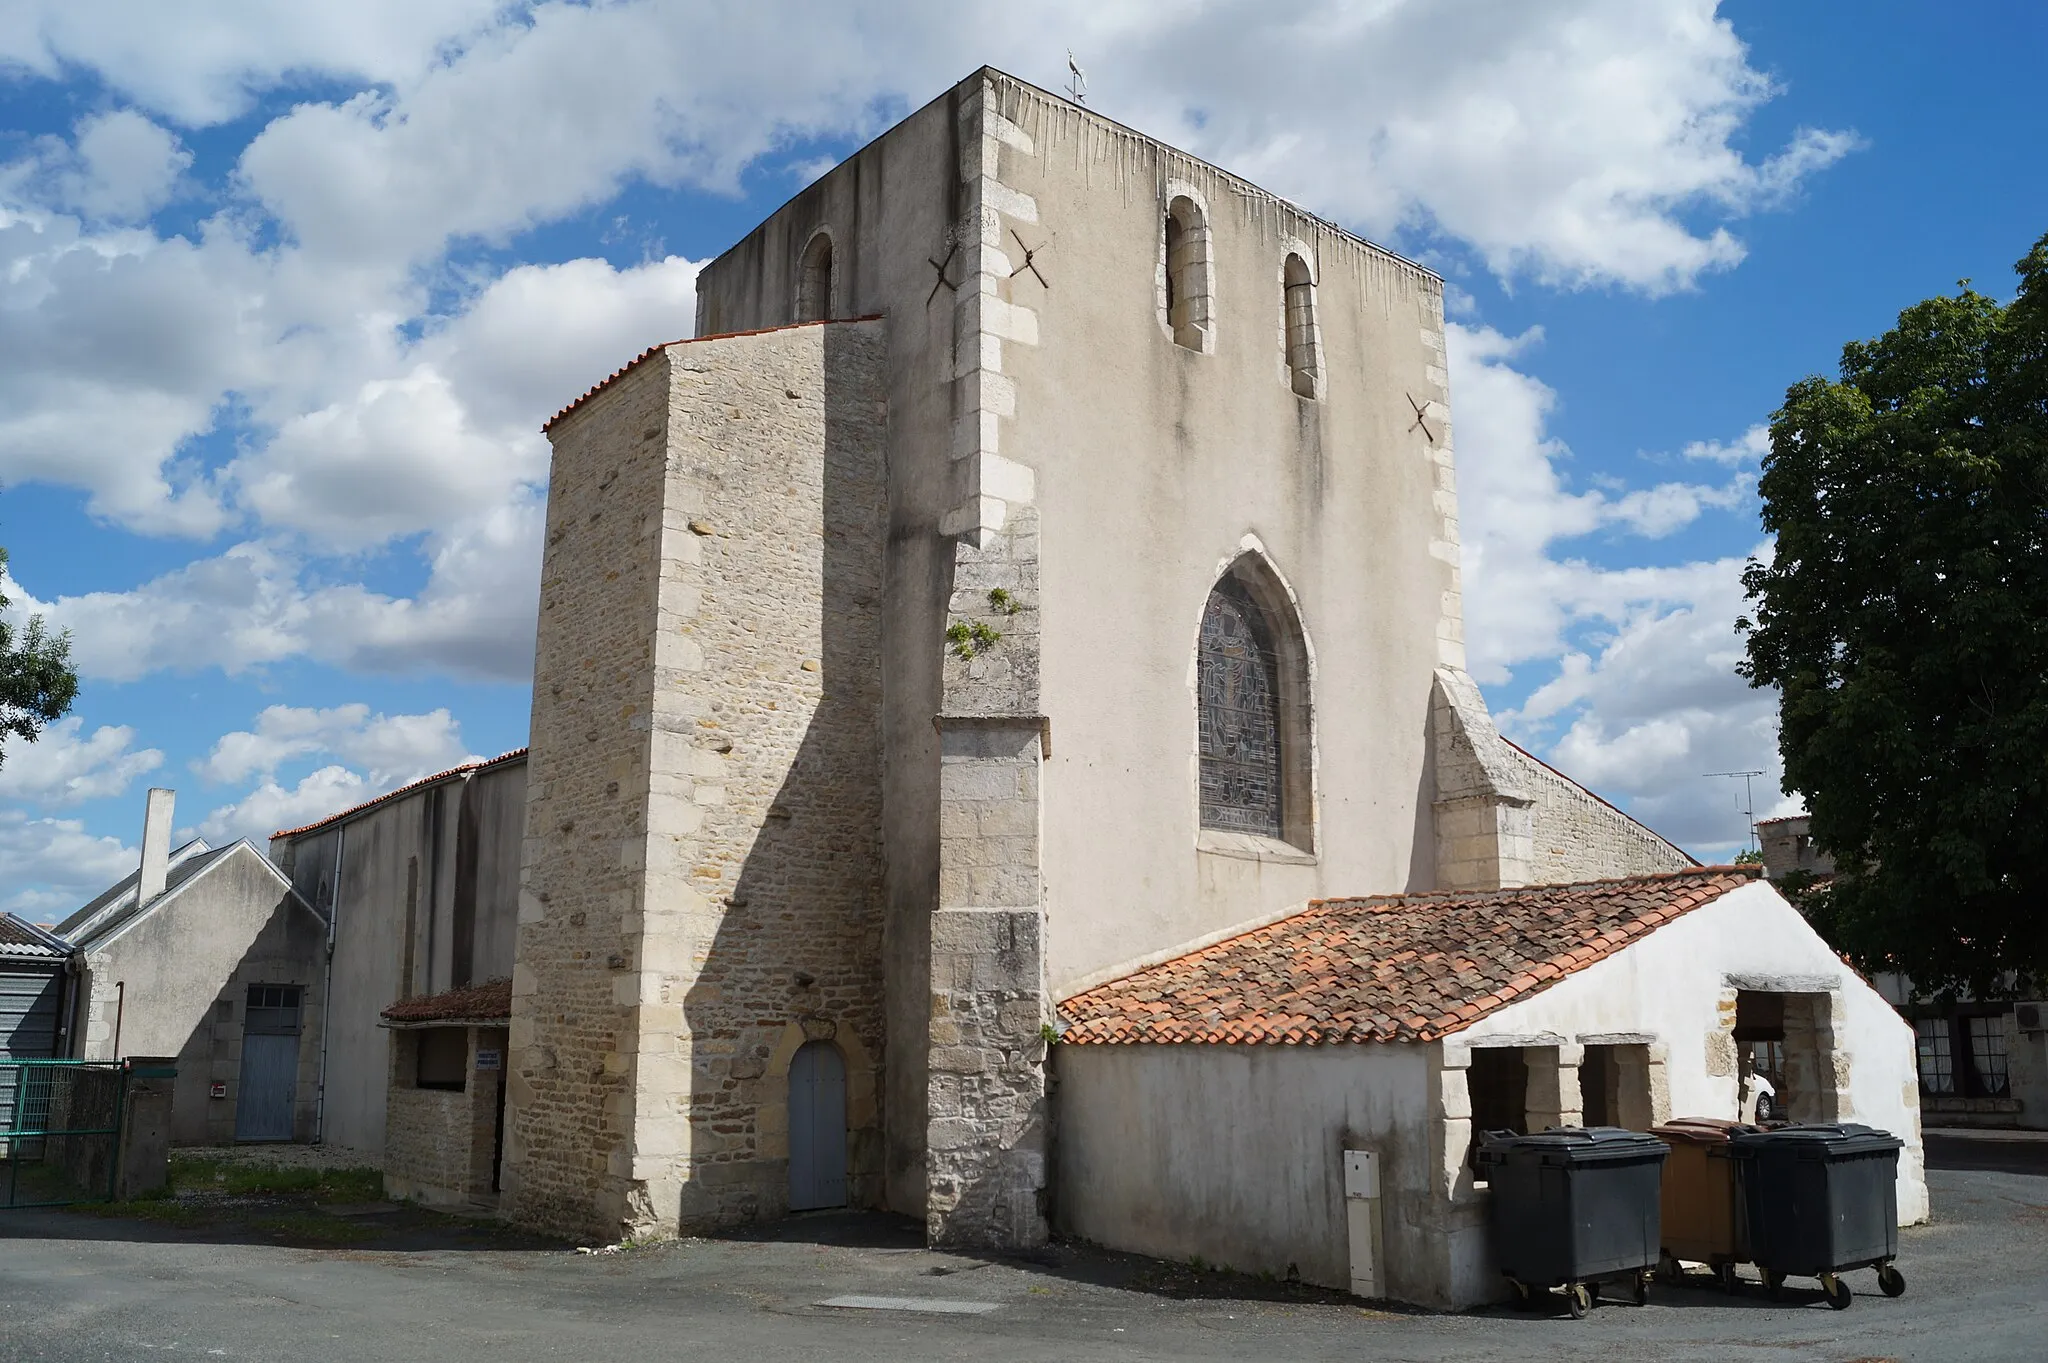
{"x": 254, "y": 605}
{"x": 394, "y": 748}
{"x": 1645, "y": 700}
{"x": 1657, "y": 709}
{"x": 376, "y": 754}
{"x": 66, "y": 766}
{"x": 1748, "y": 448}
{"x": 271, "y": 807}
{"x": 199, "y": 61}
{"x": 1516, "y": 507}
{"x": 459, "y": 429}
{"x": 54, "y": 866}
{"x": 127, "y": 167}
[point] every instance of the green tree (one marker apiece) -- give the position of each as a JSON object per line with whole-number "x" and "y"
{"x": 1903, "y": 619}
{"x": 37, "y": 683}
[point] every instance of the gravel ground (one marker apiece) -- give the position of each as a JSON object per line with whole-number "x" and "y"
{"x": 75, "y": 1287}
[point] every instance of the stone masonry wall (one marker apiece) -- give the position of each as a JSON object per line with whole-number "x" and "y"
{"x": 1575, "y": 835}
{"x": 763, "y": 893}
{"x": 570, "y": 1107}
{"x": 439, "y": 1145}
{"x": 704, "y": 816}
{"x": 1503, "y": 818}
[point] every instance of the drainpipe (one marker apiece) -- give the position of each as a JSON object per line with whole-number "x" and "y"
{"x": 327, "y": 992}
{"x": 120, "y": 1007}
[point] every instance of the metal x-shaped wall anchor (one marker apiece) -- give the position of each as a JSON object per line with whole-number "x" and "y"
{"x": 1421, "y": 411}
{"x": 941, "y": 266}
{"x": 1029, "y": 263}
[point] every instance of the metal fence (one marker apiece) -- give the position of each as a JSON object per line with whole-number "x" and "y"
{"x": 60, "y": 1131}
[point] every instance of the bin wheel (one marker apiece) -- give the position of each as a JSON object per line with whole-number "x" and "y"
{"x": 1839, "y": 1295}
{"x": 1725, "y": 1275}
{"x": 1578, "y": 1300}
{"x": 1525, "y": 1300}
{"x": 1642, "y": 1282}
{"x": 1774, "y": 1283}
{"x": 1669, "y": 1270}
{"x": 1891, "y": 1280}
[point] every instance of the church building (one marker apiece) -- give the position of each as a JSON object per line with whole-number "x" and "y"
{"x": 1000, "y": 701}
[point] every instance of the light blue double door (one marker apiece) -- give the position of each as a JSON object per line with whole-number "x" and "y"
{"x": 817, "y": 1128}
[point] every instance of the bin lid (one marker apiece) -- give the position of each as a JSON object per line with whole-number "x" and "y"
{"x": 1700, "y": 1130}
{"x": 1573, "y": 1144}
{"x": 1818, "y": 1140}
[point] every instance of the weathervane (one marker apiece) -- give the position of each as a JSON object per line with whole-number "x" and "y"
{"x": 1077, "y": 80}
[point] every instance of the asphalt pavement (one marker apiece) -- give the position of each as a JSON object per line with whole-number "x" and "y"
{"x": 401, "y": 1287}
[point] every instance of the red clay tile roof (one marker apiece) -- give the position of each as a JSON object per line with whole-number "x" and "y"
{"x": 1393, "y": 968}
{"x": 636, "y": 361}
{"x": 490, "y": 1001}
{"x": 424, "y": 781}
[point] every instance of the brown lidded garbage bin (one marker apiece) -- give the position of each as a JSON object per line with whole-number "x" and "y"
{"x": 1701, "y": 1200}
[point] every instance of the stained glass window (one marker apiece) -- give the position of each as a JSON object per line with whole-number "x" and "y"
{"x": 1238, "y": 684}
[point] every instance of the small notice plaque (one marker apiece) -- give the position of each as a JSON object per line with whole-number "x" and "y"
{"x": 217, "y": 1089}
{"x": 487, "y": 1060}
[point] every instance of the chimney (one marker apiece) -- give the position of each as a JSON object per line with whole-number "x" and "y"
{"x": 156, "y": 845}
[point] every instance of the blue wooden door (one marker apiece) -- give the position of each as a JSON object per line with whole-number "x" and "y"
{"x": 270, "y": 1064}
{"x": 817, "y": 1128}
{"x": 270, "y": 1082}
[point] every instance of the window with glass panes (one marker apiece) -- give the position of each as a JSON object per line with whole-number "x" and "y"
{"x": 1937, "y": 1064}
{"x": 1987, "y": 1054}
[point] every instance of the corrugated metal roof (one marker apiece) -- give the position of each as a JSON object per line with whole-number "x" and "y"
{"x": 21, "y": 938}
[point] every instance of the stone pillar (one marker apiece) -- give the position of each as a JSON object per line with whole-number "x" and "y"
{"x": 1553, "y": 1095}
{"x": 987, "y": 1137}
{"x": 1643, "y": 1091}
{"x": 1816, "y": 1069}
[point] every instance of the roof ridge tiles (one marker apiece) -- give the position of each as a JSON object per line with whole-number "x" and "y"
{"x": 459, "y": 769}
{"x": 634, "y": 363}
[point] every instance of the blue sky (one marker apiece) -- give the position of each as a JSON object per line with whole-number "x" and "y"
{"x": 288, "y": 289}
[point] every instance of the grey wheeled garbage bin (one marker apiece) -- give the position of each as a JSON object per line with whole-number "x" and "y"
{"x": 1822, "y": 1198}
{"x": 1573, "y": 1208}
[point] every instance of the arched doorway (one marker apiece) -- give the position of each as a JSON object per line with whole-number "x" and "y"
{"x": 817, "y": 1128}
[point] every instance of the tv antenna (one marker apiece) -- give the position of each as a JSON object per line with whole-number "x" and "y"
{"x": 1748, "y": 799}
{"x": 1077, "y": 80}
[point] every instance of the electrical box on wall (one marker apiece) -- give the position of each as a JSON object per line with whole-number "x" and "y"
{"x": 1362, "y": 1222}
{"x": 1361, "y": 1173}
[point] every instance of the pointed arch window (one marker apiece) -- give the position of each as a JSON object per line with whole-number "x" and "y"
{"x": 814, "y": 280}
{"x": 1253, "y": 711}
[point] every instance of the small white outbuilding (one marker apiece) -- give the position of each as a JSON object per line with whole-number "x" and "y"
{"x": 1303, "y": 1095}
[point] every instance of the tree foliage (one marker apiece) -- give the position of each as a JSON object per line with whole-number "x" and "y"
{"x": 1904, "y": 621}
{"x": 37, "y": 683}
